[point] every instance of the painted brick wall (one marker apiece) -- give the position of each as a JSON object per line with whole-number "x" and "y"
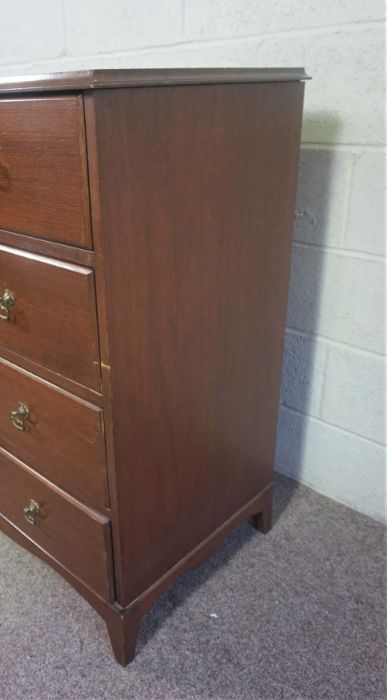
{"x": 331, "y": 421}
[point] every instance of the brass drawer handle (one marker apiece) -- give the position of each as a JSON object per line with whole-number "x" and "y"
{"x": 20, "y": 416}
{"x": 7, "y": 302}
{"x": 31, "y": 513}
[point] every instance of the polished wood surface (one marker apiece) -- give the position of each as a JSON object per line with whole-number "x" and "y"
{"x": 78, "y": 536}
{"x": 63, "y": 437}
{"x": 43, "y": 176}
{"x": 53, "y": 322}
{"x": 119, "y": 78}
{"x": 52, "y": 377}
{"x": 202, "y": 274}
{"x": 59, "y": 251}
{"x": 147, "y": 333}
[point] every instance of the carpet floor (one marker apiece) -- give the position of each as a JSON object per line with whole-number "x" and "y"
{"x": 297, "y": 613}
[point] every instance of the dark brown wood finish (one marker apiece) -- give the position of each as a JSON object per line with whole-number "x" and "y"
{"x": 172, "y": 397}
{"x": 43, "y": 181}
{"x": 107, "y": 78}
{"x": 103, "y": 301}
{"x": 52, "y": 377}
{"x": 53, "y": 322}
{"x": 79, "y": 256}
{"x": 63, "y": 437}
{"x": 197, "y": 193}
{"x": 77, "y": 536}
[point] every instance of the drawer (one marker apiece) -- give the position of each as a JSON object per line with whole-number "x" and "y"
{"x": 43, "y": 175}
{"x": 51, "y": 317}
{"x": 76, "y": 536}
{"x": 59, "y": 435}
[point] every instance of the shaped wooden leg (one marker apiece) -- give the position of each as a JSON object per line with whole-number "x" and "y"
{"x": 123, "y": 630}
{"x": 262, "y": 519}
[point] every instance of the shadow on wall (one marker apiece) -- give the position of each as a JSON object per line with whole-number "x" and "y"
{"x": 303, "y": 365}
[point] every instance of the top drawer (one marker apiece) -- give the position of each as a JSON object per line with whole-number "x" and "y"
{"x": 43, "y": 176}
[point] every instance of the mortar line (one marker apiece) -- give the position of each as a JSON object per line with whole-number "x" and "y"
{"x": 344, "y": 252}
{"x": 345, "y": 235}
{"x": 356, "y": 148}
{"x": 333, "y": 425}
{"x": 324, "y": 375}
{"x": 334, "y": 343}
{"x": 193, "y": 43}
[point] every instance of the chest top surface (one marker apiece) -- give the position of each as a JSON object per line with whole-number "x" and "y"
{"x": 111, "y": 78}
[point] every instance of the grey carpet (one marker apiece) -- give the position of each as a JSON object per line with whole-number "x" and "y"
{"x": 297, "y": 614}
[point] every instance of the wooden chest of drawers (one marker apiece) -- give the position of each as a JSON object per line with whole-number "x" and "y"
{"x": 145, "y": 236}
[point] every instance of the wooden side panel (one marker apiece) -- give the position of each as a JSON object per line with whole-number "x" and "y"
{"x": 63, "y": 437}
{"x": 43, "y": 176}
{"x": 195, "y": 217}
{"x": 53, "y": 322}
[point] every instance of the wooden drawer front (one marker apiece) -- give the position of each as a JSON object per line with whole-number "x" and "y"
{"x": 43, "y": 181}
{"x": 76, "y": 536}
{"x": 53, "y": 321}
{"x": 61, "y": 437}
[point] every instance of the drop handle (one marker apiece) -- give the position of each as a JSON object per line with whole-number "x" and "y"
{"x": 20, "y": 416}
{"x": 31, "y": 512}
{"x": 7, "y": 302}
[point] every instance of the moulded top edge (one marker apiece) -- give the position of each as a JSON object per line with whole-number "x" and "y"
{"x": 114, "y": 78}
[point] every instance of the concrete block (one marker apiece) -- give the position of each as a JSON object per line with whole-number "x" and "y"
{"x": 96, "y": 26}
{"x": 366, "y": 228}
{"x": 344, "y": 467}
{"x": 344, "y": 101}
{"x": 323, "y": 192}
{"x": 206, "y": 19}
{"x": 30, "y": 30}
{"x": 303, "y": 373}
{"x": 337, "y": 296}
{"x": 354, "y": 392}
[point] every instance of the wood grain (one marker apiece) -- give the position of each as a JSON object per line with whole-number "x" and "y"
{"x": 76, "y": 535}
{"x": 43, "y": 175}
{"x": 49, "y": 375}
{"x": 79, "y": 256}
{"x": 197, "y": 190}
{"x": 63, "y": 437}
{"x": 53, "y": 322}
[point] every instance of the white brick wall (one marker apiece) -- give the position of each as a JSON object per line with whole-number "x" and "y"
{"x": 331, "y": 424}
{"x": 96, "y": 26}
{"x": 338, "y": 295}
{"x": 332, "y": 461}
